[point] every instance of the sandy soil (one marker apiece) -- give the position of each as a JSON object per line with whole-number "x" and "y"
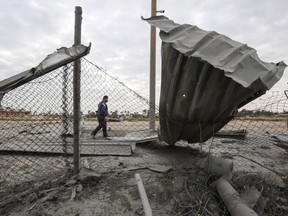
{"x": 182, "y": 189}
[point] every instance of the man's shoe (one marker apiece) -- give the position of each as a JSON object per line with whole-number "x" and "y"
{"x": 107, "y": 137}
{"x": 93, "y": 136}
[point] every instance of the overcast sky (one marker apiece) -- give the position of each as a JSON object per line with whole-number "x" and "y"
{"x": 32, "y": 29}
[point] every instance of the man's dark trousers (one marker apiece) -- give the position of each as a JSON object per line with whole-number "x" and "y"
{"x": 103, "y": 125}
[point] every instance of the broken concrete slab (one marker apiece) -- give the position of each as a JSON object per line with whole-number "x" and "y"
{"x": 138, "y": 136}
{"x": 160, "y": 168}
{"x": 93, "y": 148}
{"x": 88, "y": 177}
{"x": 251, "y": 196}
{"x": 236, "y": 134}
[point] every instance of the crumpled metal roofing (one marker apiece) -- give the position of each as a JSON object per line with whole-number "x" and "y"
{"x": 206, "y": 77}
{"x": 53, "y": 61}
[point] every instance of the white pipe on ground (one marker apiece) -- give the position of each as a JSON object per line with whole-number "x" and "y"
{"x": 143, "y": 195}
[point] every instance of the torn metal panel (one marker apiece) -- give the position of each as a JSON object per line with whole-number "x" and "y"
{"x": 206, "y": 77}
{"x": 53, "y": 61}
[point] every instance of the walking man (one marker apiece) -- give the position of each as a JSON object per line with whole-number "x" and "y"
{"x": 101, "y": 114}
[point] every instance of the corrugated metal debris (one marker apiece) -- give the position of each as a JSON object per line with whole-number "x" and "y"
{"x": 206, "y": 77}
{"x": 53, "y": 61}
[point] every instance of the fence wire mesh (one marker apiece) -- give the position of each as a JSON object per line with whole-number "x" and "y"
{"x": 34, "y": 118}
{"x": 128, "y": 111}
{"x": 256, "y": 140}
{"x": 37, "y": 122}
{"x": 37, "y": 140}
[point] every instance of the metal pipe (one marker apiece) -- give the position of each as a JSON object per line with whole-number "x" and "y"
{"x": 231, "y": 199}
{"x": 76, "y": 93}
{"x": 143, "y": 195}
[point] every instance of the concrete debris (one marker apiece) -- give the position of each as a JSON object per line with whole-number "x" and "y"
{"x": 251, "y": 196}
{"x": 71, "y": 182}
{"x": 140, "y": 136}
{"x": 219, "y": 167}
{"x": 261, "y": 205}
{"x": 73, "y": 194}
{"x": 88, "y": 177}
{"x": 236, "y": 204}
{"x": 79, "y": 188}
{"x": 281, "y": 200}
{"x": 284, "y": 208}
{"x": 237, "y": 134}
{"x": 160, "y": 168}
{"x": 278, "y": 141}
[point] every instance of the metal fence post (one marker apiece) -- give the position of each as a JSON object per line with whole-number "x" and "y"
{"x": 76, "y": 93}
{"x": 152, "y": 69}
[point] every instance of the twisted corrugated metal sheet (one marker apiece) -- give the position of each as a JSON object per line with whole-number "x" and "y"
{"x": 206, "y": 77}
{"x": 61, "y": 57}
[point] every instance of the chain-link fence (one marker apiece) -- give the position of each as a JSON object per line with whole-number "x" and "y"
{"x": 37, "y": 132}
{"x": 256, "y": 140}
{"x": 128, "y": 111}
{"x": 37, "y": 123}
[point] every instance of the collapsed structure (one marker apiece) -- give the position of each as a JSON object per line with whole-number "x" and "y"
{"x": 206, "y": 78}
{"x": 61, "y": 57}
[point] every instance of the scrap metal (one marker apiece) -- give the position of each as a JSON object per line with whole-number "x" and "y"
{"x": 206, "y": 78}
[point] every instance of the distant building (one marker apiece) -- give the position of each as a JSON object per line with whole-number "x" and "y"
{"x": 13, "y": 113}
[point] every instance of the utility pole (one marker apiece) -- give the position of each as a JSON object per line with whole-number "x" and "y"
{"x": 152, "y": 68}
{"x": 76, "y": 93}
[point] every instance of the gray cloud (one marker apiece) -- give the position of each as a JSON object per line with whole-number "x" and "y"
{"x": 30, "y": 30}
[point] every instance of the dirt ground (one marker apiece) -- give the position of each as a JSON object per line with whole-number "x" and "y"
{"x": 173, "y": 177}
